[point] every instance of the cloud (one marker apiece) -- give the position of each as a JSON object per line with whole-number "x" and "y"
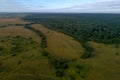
{"x": 112, "y": 6}
{"x": 78, "y": 6}
{"x": 11, "y": 6}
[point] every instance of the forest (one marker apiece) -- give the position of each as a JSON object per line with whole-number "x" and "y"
{"x": 64, "y": 46}
{"x": 102, "y": 28}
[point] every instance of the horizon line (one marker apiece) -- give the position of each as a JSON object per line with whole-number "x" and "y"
{"x": 67, "y": 12}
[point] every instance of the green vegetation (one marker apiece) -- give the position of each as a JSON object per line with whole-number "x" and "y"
{"x": 15, "y": 45}
{"x": 2, "y": 26}
{"x": 56, "y": 56}
{"x": 1, "y": 48}
{"x": 60, "y": 65}
{"x": 83, "y": 27}
{"x": 40, "y": 34}
{"x": 88, "y": 51}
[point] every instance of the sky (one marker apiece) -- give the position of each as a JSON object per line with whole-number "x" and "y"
{"x": 67, "y": 6}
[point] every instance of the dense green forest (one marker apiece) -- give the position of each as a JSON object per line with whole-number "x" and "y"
{"x": 103, "y": 28}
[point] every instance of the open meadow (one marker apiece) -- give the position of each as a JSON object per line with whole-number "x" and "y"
{"x": 30, "y": 49}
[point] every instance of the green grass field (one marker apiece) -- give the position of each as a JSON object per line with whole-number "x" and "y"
{"x": 21, "y": 57}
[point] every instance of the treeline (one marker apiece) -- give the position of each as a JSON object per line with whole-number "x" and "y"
{"x": 88, "y": 51}
{"x": 103, "y": 28}
{"x": 43, "y": 43}
{"x": 27, "y": 24}
{"x": 59, "y": 65}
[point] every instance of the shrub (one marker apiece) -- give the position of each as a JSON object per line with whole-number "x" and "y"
{"x": 19, "y": 62}
{"x": 17, "y": 36}
{"x": 60, "y": 66}
{"x": 29, "y": 37}
{"x": 86, "y": 55}
{"x": 82, "y": 76}
{"x": 1, "y": 48}
{"x": 72, "y": 77}
{"x": 14, "y": 55}
{"x": 45, "y": 53}
{"x": 16, "y": 49}
{"x": 60, "y": 73}
{"x": 117, "y": 53}
{"x": 78, "y": 69}
{"x": 2, "y": 41}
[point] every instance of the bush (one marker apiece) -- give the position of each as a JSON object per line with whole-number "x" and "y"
{"x": 2, "y": 41}
{"x": 45, "y": 53}
{"x": 1, "y": 48}
{"x": 60, "y": 66}
{"x": 72, "y": 77}
{"x": 78, "y": 69}
{"x": 117, "y": 53}
{"x": 29, "y": 37}
{"x": 86, "y": 55}
{"x": 88, "y": 51}
{"x": 16, "y": 49}
{"x": 14, "y": 55}
{"x": 17, "y": 36}
{"x": 82, "y": 76}
{"x": 60, "y": 73}
{"x": 19, "y": 62}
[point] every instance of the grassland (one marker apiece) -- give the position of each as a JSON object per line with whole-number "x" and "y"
{"x": 21, "y": 56}
{"x": 67, "y": 45}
